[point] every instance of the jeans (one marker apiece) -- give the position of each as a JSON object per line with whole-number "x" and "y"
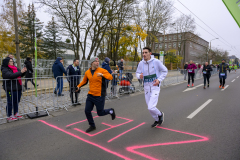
{"x": 59, "y": 85}
{"x": 99, "y": 103}
{"x": 13, "y": 98}
{"x": 120, "y": 74}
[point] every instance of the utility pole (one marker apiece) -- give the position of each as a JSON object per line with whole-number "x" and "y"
{"x": 16, "y": 34}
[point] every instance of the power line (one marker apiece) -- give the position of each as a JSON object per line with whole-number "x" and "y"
{"x": 206, "y": 25}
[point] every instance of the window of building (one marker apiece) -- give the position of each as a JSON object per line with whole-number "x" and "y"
{"x": 179, "y": 36}
{"x": 175, "y": 37}
{"x": 165, "y": 38}
{"x": 161, "y": 39}
{"x": 156, "y": 46}
{"x": 170, "y": 38}
{"x": 174, "y": 45}
{"x": 165, "y": 46}
{"x": 160, "y": 46}
{"x": 179, "y": 44}
{"x": 170, "y": 45}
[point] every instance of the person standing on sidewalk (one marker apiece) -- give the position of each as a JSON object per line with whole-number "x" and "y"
{"x": 222, "y": 68}
{"x": 191, "y": 73}
{"x": 74, "y": 76}
{"x": 120, "y": 67}
{"x": 96, "y": 77}
{"x": 206, "y": 73}
{"x": 12, "y": 86}
{"x": 185, "y": 70}
{"x": 29, "y": 73}
{"x": 105, "y": 65}
{"x": 58, "y": 71}
{"x": 153, "y": 72}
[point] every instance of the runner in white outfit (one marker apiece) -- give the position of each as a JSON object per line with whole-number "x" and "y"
{"x": 153, "y": 72}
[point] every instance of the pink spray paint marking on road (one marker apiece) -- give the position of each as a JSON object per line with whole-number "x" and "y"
{"x": 126, "y": 132}
{"x": 79, "y": 122}
{"x": 110, "y": 127}
{"x": 84, "y": 140}
{"x": 133, "y": 148}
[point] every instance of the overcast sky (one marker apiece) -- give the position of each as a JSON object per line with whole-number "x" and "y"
{"x": 212, "y": 12}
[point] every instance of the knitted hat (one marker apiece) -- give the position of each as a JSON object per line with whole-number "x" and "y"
{"x": 93, "y": 59}
{"x": 107, "y": 59}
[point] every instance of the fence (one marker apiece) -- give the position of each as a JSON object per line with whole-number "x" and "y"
{"x": 47, "y": 99}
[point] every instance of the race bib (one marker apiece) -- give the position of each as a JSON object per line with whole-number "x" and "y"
{"x": 222, "y": 74}
{"x": 204, "y": 72}
{"x": 150, "y": 78}
{"x": 190, "y": 70}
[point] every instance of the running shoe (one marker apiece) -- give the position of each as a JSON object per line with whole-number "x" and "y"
{"x": 161, "y": 119}
{"x": 192, "y": 85}
{"x": 155, "y": 124}
{"x": 204, "y": 87}
{"x": 11, "y": 118}
{"x": 188, "y": 85}
{"x": 220, "y": 86}
{"x": 90, "y": 129}
{"x": 18, "y": 116}
{"x": 208, "y": 85}
{"x": 113, "y": 114}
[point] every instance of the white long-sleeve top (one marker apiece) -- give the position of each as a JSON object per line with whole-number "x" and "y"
{"x": 151, "y": 67}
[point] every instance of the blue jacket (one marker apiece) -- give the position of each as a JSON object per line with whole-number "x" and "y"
{"x": 74, "y": 76}
{"x": 105, "y": 65}
{"x": 58, "y": 69}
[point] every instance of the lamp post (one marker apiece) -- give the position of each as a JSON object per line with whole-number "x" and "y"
{"x": 210, "y": 47}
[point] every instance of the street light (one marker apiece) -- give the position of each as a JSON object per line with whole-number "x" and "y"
{"x": 210, "y": 47}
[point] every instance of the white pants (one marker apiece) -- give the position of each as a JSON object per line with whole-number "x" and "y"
{"x": 151, "y": 97}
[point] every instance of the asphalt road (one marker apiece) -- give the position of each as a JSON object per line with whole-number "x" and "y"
{"x": 199, "y": 125}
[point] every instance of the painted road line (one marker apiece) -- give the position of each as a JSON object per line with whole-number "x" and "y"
{"x": 237, "y": 76}
{"x": 225, "y": 88}
{"x": 192, "y": 88}
{"x": 199, "y": 109}
{"x": 233, "y": 80}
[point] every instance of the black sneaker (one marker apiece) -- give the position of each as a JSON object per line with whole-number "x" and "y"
{"x": 55, "y": 92}
{"x": 208, "y": 85}
{"x": 161, "y": 119}
{"x": 113, "y": 114}
{"x": 155, "y": 124}
{"x": 90, "y": 129}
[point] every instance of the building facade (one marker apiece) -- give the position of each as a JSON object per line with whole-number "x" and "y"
{"x": 187, "y": 45}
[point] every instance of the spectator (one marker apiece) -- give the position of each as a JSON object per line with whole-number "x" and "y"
{"x": 29, "y": 73}
{"x": 114, "y": 83}
{"x": 58, "y": 71}
{"x": 185, "y": 70}
{"x": 74, "y": 76}
{"x": 12, "y": 87}
{"x": 105, "y": 65}
{"x": 120, "y": 67}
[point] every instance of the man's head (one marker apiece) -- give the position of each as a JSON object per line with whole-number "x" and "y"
{"x": 121, "y": 60}
{"x": 186, "y": 62}
{"x": 10, "y": 56}
{"x": 94, "y": 62}
{"x": 147, "y": 53}
{"x": 76, "y": 62}
{"x": 29, "y": 59}
{"x": 191, "y": 62}
{"x": 107, "y": 59}
{"x": 206, "y": 63}
{"x": 223, "y": 60}
{"x": 60, "y": 59}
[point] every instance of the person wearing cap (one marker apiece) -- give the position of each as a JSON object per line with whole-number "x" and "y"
{"x": 222, "y": 68}
{"x": 29, "y": 73}
{"x": 96, "y": 77}
{"x": 105, "y": 65}
{"x": 58, "y": 71}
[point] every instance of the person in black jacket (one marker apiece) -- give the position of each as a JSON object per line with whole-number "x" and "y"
{"x": 74, "y": 76}
{"x": 206, "y": 73}
{"x": 222, "y": 68}
{"x": 29, "y": 73}
{"x": 12, "y": 85}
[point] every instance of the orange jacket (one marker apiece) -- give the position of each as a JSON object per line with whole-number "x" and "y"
{"x": 97, "y": 85}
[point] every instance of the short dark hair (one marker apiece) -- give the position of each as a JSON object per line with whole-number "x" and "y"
{"x": 149, "y": 49}
{"x": 75, "y": 60}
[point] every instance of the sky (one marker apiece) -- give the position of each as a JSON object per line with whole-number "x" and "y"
{"x": 220, "y": 23}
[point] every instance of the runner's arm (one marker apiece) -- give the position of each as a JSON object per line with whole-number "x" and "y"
{"x": 163, "y": 70}
{"x": 139, "y": 70}
{"x": 84, "y": 81}
{"x": 107, "y": 75}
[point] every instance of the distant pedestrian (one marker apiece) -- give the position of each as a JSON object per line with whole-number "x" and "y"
{"x": 206, "y": 74}
{"x": 120, "y": 67}
{"x": 222, "y": 68}
{"x": 12, "y": 87}
{"x": 74, "y": 77}
{"x": 58, "y": 71}
{"x": 105, "y": 65}
{"x": 191, "y": 73}
{"x": 29, "y": 73}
